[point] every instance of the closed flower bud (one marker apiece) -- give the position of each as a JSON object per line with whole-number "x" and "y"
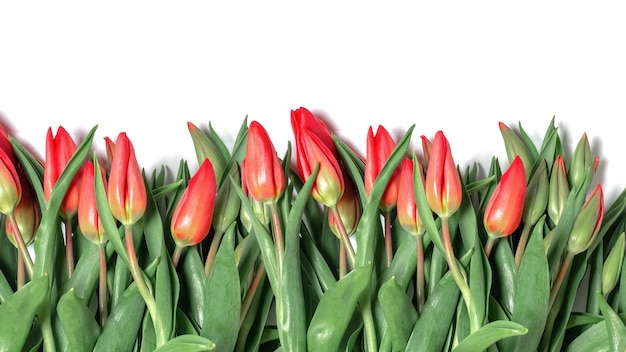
{"x": 516, "y": 147}
{"x": 206, "y": 148}
{"x": 349, "y": 208}
{"x": 264, "y": 173}
{"x": 582, "y": 162}
{"x": 27, "y": 216}
{"x": 427, "y": 147}
{"x": 537, "y": 193}
{"x": 126, "y": 191}
{"x": 304, "y": 120}
{"x": 408, "y": 215}
{"x": 559, "y": 190}
{"x": 587, "y": 223}
{"x": 612, "y": 267}
{"x": 503, "y": 212}
{"x": 379, "y": 148}
{"x": 88, "y": 217}
{"x": 10, "y": 186}
{"x": 193, "y": 214}
{"x": 59, "y": 151}
{"x": 5, "y": 144}
{"x": 443, "y": 183}
{"x": 312, "y": 152}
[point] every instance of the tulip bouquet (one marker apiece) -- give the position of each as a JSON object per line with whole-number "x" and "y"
{"x": 324, "y": 250}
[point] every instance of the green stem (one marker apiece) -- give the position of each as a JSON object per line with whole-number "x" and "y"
{"x": 456, "y": 272}
{"x": 388, "y": 242}
{"x": 419, "y": 272}
{"x": 489, "y": 246}
{"x": 343, "y": 269}
{"x": 345, "y": 239}
{"x": 20, "y": 272}
{"x": 21, "y": 246}
{"x": 143, "y": 289}
{"x": 69, "y": 247}
{"x": 371, "y": 344}
{"x": 102, "y": 285}
{"x": 210, "y": 257}
{"x": 278, "y": 236}
{"x": 178, "y": 251}
{"x": 521, "y": 245}
{"x": 254, "y": 286}
{"x": 558, "y": 281}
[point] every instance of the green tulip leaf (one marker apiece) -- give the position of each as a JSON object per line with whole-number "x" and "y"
{"x": 616, "y": 331}
{"x": 489, "y": 334}
{"x": 18, "y": 312}
{"x": 187, "y": 343}
{"x": 335, "y": 310}
{"x": 222, "y": 300}
{"x": 399, "y": 313}
{"x": 79, "y": 326}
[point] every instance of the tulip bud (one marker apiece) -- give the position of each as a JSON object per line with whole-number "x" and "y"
{"x": 516, "y": 147}
{"x": 537, "y": 193}
{"x": 559, "y": 190}
{"x": 227, "y": 203}
{"x": 88, "y": 217}
{"x": 379, "y": 148}
{"x": 443, "y": 183}
{"x": 349, "y": 208}
{"x": 408, "y": 215}
{"x": 264, "y": 173}
{"x": 126, "y": 191}
{"x": 427, "y": 147}
{"x": 587, "y": 223}
{"x": 10, "y": 186}
{"x": 312, "y": 152}
{"x": 504, "y": 209}
{"x": 612, "y": 267}
{"x": 26, "y": 215}
{"x": 261, "y": 210}
{"x": 110, "y": 149}
{"x": 59, "y": 151}
{"x": 304, "y": 120}
{"x": 192, "y": 217}
{"x": 581, "y": 162}
{"x": 205, "y": 148}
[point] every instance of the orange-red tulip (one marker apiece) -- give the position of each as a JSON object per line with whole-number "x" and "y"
{"x": 314, "y": 145}
{"x": 408, "y": 215}
{"x": 265, "y": 178}
{"x": 59, "y": 151}
{"x": 5, "y": 145}
{"x": 126, "y": 191}
{"x": 88, "y": 218}
{"x": 443, "y": 183}
{"x": 379, "y": 148}
{"x": 504, "y": 209}
{"x": 192, "y": 217}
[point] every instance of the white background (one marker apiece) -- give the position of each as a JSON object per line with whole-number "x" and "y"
{"x": 147, "y": 68}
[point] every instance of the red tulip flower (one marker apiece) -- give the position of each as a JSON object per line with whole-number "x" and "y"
{"x": 379, "y": 148}
{"x": 5, "y": 144}
{"x": 443, "y": 183}
{"x": 26, "y": 216}
{"x": 265, "y": 178}
{"x": 126, "y": 191}
{"x": 192, "y": 217}
{"x": 408, "y": 215}
{"x": 59, "y": 151}
{"x": 88, "y": 218}
{"x": 314, "y": 146}
{"x": 504, "y": 209}
{"x": 10, "y": 186}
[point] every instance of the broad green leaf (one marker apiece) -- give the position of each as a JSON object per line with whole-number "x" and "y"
{"x": 616, "y": 331}
{"x": 123, "y": 324}
{"x": 532, "y": 294}
{"x": 489, "y": 334}
{"x": 79, "y": 325}
{"x": 187, "y": 343}
{"x": 222, "y": 300}
{"x": 334, "y": 312}
{"x": 399, "y": 312}
{"x": 18, "y": 312}
{"x": 433, "y": 325}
